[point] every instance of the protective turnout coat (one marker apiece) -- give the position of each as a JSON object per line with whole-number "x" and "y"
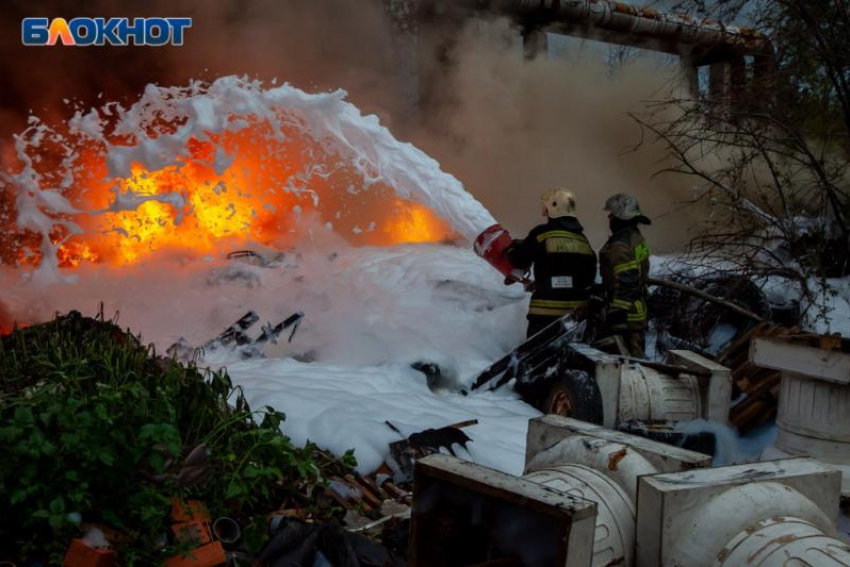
{"x": 624, "y": 266}
{"x": 564, "y": 266}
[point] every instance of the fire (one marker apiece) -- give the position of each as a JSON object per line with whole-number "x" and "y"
{"x": 414, "y": 223}
{"x": 198, "y": 206}
{"x": 74, "y": 254}
{"x": 69, "y": 254}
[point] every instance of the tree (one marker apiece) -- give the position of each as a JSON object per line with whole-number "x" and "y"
{"x": 772, "y": 166}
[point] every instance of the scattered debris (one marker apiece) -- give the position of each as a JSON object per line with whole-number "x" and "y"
{"x": 437, "y": 377}
{"x": 757, "y": 389}
{"x": 298, "y": 543}
{"x": 235, "y": 336}
{"x": 705, "y": 314}
{"x": 194, "y": 470}
{"x": 403, "y": 454}
{"x": 227, "y": 531}
{"x": 253, "y": 258}
{"x": 272, "y": 332}
{"x": 83, "y": 553}
{"x": 374, "y": 496}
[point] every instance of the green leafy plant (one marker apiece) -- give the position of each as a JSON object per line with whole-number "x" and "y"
{"x": 95, "y": 427}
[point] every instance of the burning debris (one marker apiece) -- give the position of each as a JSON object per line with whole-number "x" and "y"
{"x": 188, "y": 170}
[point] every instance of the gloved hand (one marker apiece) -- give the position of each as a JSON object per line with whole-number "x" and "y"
{"x": 514, "y": 243}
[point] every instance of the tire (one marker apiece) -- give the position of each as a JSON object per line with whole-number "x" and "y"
{"x": 574, "y": 394}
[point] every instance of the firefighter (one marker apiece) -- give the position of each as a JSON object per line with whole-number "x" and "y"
{"x": 624, "y": 266}
{"x": 564, "y": 262}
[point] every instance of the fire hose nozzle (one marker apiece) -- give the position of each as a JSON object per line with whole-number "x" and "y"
{"x": 492, "y": 245}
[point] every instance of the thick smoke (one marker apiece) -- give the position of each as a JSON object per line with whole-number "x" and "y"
{"x": 315, "y": 44}
{"x": 507, "y": 127}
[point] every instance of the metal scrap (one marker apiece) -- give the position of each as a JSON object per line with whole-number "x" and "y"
{"x": 404, "y": 453}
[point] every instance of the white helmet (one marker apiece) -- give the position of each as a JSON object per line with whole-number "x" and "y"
{"x": 558, "y": 202}
{"x": 625, "y": 207}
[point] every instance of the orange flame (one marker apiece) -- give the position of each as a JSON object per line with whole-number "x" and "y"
{"x": 190, "y": 207}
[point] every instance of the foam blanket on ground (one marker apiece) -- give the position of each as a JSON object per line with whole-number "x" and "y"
{"x": 434, "y": 304}
{"x": 344, "y": 407}
{"x": 369, "y": 314}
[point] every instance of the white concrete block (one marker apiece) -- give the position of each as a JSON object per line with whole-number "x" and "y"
{"x": 688, "y": 518}
{"x": 716, "y": 390}
{"x": 546, "y": 431}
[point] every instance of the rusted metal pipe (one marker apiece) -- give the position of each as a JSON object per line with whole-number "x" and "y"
{"x": 618, "y": 22}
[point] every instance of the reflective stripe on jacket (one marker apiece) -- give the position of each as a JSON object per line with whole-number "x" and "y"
{"x": 564, "y": 266}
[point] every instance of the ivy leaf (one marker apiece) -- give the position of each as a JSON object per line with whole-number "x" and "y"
{"x": 57, "y": 506}
{"x": 23, "y": 416}
{"x": 18, "y": 496}
{"x": 48, "y": 449}
{"x": 10, "y": 434}
{"x": 101, "y": 412}
{"x": 111, "y": 518}
{"x": 157, "y": 462}
{"x": 56, "y": 521}
{"x": 233, "y": 491}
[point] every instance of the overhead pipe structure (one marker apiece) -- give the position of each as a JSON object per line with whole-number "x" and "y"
{"x": 616, "y": 22}
{"x": 698, "y": 42}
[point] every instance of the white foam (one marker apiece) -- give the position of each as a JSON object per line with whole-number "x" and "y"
{"x": 370, "y": 313}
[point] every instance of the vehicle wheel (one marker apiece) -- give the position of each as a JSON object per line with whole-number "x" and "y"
{"x": 575, "y": 394}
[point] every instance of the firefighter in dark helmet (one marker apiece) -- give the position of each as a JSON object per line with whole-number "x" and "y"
{"x": 563, "y": 260}
{"x": 624, "y": 266}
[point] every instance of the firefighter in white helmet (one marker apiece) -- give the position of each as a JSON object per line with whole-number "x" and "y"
{"x": 624, "y": 266}
{"x": 563, "y": 261}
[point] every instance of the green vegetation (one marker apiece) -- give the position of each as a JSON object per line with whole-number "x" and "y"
{"x": 94, "y": 427}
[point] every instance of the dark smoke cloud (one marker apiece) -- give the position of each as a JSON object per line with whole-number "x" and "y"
{"x": 510, "y": 128}
{"x": 506, "y": 127}
{"x": 315, "y": 44}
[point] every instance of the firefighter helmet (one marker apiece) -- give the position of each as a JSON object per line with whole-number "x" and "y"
{"x": 558, "y": 202}
{"x": 625, "y": 207}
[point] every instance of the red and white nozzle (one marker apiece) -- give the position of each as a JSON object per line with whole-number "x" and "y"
{"x": 491, "y": 245}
